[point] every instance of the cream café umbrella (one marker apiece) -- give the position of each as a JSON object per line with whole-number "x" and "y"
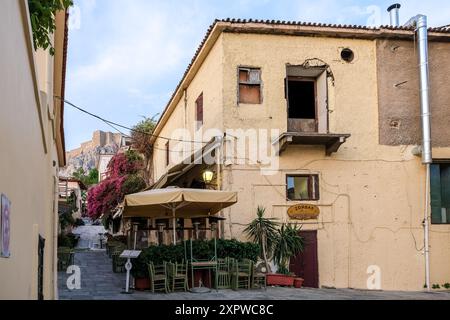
{"x": 177, "y": 203}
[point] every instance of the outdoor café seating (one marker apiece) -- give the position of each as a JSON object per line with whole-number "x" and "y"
{"x": 258, "y": 278}
{"x": 158, "y": 277}
{"x": 224, "y": 268}
{"x": 177, "y": 276}
{"x": 118, "y": 263}
{"x": 242, "y": 275}
{"x": 194, "y": 272}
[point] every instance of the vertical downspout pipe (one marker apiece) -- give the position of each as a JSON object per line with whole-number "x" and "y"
{"x": 420, "y": 23}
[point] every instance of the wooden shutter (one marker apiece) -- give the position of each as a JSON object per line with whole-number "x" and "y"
{"x": 249, "y": 86}
{"x": 199, "y": 111}
{"x": 445, "y": 192}
{"x": 167, "y": 154}
{"x": 435, "y": 189}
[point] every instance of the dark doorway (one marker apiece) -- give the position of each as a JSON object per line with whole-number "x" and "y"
{"x": 306, "y": 264}
{"x": 41, "y": 247}
{"x": 302, "y": 98}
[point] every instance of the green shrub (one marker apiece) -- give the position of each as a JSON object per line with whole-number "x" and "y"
{"x": 201, "y": 250}
{"x": 69, "y": 240}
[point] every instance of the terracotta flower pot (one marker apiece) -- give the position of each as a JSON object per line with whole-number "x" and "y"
{"x": 142, "y": 284}
{"x": 298, "y": 282}
{"x": 275, "y": 279}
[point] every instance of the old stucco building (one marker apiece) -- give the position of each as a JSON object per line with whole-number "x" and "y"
{"x": 345, "y": 101}
{"x": 32, "y": 144}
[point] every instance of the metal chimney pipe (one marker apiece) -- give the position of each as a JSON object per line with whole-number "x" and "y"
{"x": 394, "y": 15}
{"x": 420, "y": 23}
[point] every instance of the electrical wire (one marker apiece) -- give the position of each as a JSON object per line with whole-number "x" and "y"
{"x": 111, "y": 123}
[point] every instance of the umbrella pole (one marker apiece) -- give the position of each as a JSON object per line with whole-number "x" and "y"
{"x": 174, "y": 226}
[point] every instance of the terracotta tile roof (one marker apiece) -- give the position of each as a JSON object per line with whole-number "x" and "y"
{"x": 444, "y": 28}
{"x": 230, "y": 23}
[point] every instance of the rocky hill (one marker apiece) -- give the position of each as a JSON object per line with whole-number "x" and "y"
{"x": 87, "y": 155}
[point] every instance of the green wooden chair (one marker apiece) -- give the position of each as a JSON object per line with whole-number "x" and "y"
{"x": 110, "y": 245}
{"x": 118, "y": 263}
{"x": 242, "y": 275}
{"x": 65, "y": 258}
{"x": 258, "y": 278}
{"x": 158, "y": 277}
{"x": 178, "y": 276}
{"x": 224, "y": 268}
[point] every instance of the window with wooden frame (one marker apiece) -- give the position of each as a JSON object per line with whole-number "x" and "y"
{"x": 199, "y": 112}
{"x": 302, "y": 187}
{"x": 249, "y": 85}
{"x": 167, "y": 153}
{"x": 440, "y": 193}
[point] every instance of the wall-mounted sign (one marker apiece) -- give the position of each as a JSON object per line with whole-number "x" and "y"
{"x": 5, "y": 226}
{"x": 304, "y": 212}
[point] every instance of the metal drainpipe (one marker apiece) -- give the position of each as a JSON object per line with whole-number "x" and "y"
{"x": 420, "y": 23}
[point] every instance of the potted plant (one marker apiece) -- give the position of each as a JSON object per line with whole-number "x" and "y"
{"x": 263, "y": 231}
{"x": 287, "y": 244}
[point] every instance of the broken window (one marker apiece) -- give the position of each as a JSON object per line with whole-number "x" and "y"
{"x": 199, "y": 112}
{"x": 250, "y": 85}
{"x": 303, "y": 187}
{"x": 306, "y": 95}
{"x": 302, "y": 98}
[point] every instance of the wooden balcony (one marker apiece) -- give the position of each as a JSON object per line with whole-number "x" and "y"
{"x": 332, "y": 142}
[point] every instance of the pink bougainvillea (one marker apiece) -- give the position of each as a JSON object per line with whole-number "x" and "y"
{"x": 122, "y": 178}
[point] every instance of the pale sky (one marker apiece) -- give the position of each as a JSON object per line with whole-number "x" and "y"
{"x": 126, "y": 57}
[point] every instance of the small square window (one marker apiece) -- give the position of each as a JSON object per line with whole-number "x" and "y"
{"x": 250, "y": 85}
{"x": 302, "y": 187}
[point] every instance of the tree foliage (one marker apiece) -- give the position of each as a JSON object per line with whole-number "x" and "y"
{"x": 141, "y": 134}
{"x": 123, "y": 177}
{"x": 140, "y": 137}
{"x": 42, "y": 16}
{"x": 89, "y": 178}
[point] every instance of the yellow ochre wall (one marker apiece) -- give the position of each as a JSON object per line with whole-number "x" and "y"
{"x": 29, "y": 158}
{"x": 372, "y": 196}
{"x": 209, "y": 81}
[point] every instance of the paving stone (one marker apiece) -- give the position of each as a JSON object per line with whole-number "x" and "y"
{"x": 98, "y": 282}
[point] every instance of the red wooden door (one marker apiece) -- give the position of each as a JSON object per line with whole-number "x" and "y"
{"x": 306, "y": 264}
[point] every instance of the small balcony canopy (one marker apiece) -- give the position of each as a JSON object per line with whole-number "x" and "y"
{"x": 332, "y": 142}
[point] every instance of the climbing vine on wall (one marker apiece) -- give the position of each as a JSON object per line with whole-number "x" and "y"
{"x": 42, "y": 15}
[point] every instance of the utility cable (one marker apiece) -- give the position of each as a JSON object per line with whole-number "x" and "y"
{"x": 122, "y": 126}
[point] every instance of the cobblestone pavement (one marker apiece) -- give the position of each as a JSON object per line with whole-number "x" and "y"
{"x": 89, "y": 235}
{"x": 98, "y": 282}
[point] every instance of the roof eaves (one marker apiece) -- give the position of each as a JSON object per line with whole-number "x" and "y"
{"x": 250, "y": 25}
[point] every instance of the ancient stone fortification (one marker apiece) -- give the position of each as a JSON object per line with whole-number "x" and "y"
{"x": 99, "y": 139}
{"x": 86, "y": 156}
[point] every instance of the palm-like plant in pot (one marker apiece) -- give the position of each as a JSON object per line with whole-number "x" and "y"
{"x": 263, "y": 231}
{"x": 288, "y": 243}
